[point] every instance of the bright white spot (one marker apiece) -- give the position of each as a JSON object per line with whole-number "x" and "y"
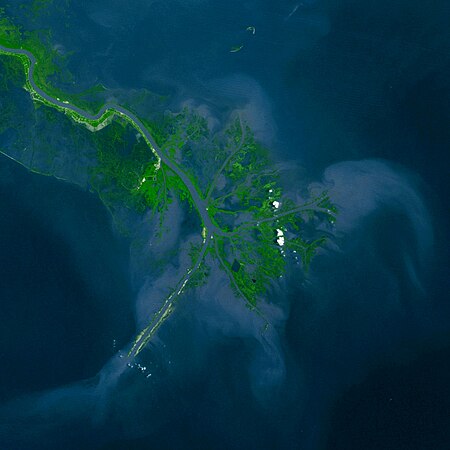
{"x": 280, "y": 237}
{"x": 276, "y": 204}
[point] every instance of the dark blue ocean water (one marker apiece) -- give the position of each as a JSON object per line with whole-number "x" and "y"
{"x": 65, "y": 290}
{"x": 366, "y": 346}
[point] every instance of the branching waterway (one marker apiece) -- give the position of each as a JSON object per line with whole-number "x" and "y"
{"x": 200, "y": 204}
{"x": 261, "y": 257}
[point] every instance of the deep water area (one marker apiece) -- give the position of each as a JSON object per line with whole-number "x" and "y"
{"x": 352, "y": 96}
{"x": 66, "y": 296}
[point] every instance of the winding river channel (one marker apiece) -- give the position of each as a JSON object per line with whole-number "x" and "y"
{"x": 201, "y": 204}
{"x": 198, "y": 201}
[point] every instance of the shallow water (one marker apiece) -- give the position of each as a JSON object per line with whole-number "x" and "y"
{"x": 323, "y": 82}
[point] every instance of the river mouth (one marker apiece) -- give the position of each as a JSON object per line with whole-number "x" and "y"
{"x": 66, "y": 303}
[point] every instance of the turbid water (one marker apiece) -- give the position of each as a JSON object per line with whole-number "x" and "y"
{"x": 325, "y": 83}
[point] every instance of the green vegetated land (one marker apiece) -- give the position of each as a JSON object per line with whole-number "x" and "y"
{"x": 52, "y": 67}
{"x": 258, "y": 229}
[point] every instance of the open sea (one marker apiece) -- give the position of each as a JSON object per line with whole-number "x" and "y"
{"x": 352, "y": 94}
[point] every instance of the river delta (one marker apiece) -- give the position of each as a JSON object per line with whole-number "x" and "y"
{"x": 223, "y": 225}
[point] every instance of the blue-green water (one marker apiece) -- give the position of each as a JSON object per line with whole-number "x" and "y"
{"x": 362, "y": 347}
